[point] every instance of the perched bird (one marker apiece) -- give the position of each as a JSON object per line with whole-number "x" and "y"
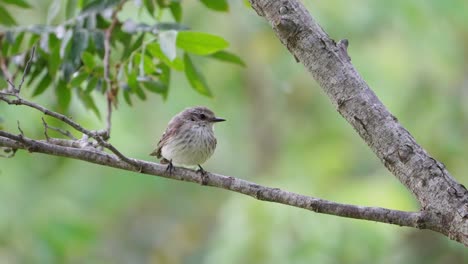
{"x": 189, "y": 139}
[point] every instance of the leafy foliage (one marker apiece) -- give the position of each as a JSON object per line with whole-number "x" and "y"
{"x": 218, "y": 5}
{"x": 71, "y": 54}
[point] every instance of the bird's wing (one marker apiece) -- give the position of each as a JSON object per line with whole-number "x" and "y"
{"x": 172, "y": 129}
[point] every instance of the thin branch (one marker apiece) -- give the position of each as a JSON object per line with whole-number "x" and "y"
{"x": 420, "y": 220}
{"x": 97, "y": 135}
{"x": 109, "y": 114}
{"x": 9, "y": 78}
{"x": 46, "y": 129}
{"x": 56, "y": 129}
{"x": 26, "y": 68}
{"x": 107, "y": 52}
{"x": 19, "y": 128}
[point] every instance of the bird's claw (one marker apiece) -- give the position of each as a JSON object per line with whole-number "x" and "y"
{"x": 170, "y": 167}
{"x": 203, "y": 175}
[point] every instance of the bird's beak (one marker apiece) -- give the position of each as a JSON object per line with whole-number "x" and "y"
{"x": 217, "y": 119}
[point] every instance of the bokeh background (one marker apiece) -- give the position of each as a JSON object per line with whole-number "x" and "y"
{"x": 281, "y": 132}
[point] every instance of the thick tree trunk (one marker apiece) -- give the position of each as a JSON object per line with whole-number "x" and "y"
{"x": 437, "y": 191}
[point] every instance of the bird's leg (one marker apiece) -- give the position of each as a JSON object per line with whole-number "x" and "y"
{"x": 170, "y": 167}
{"x": 203, "y": 174}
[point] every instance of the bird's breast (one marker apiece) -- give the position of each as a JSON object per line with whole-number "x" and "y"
{"x": 190, "y": 146}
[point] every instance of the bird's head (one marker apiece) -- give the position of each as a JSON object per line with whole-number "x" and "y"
{"x": 200, "y": 115}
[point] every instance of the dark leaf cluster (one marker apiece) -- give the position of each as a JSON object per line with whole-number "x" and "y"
{"x": 70, "y": 50}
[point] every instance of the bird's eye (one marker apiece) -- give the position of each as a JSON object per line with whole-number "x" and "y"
{"x": 192, "y": 119}
{"x": 203, "y": 116}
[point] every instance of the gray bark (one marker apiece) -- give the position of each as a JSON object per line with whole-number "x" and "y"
{"x": 444, "y": 202}
{"x": 69, "y": 149}
{"x": 328, "y": 62}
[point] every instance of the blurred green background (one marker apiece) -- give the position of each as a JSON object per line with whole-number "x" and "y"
{"x": 281, "y": 132}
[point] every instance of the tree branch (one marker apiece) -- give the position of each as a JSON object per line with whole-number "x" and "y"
{"x": 97, "y": 135}
{"x": 330, "y": 65}
{"x": 111, "y": 92}
{"x": 420, "y": 220}
{"x": 444, "y": 202}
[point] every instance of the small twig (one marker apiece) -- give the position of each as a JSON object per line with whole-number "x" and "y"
{"x": 109, "y": 114}
{"x": 19, "y": 128}
{"x": 10, "y": 78}
{"x": 12, "y": 85}
{"x": 26, "y": 68}
{"x": 46, "y": 127}
{"x": 106, "y": 61}
{"x": 59, "y": 130}
{"x": 97, "y": 135}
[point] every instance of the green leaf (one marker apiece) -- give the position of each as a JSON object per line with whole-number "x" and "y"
{"x": 92, "y": 84}
{"x": 130, "y": 49}
{"x": 68, "y": 69}
{"x": 53, "y": 11}
{"x": 78, "y": 79}
{"x": 135, "y": 86}
{"x": 154, "y": 86}
{"x": 70, "y": 9}
{"x": 195, "y": 78}
{"x": 90, "y": 22}
{"x": 17, "y": 45}
{"x": 53, "y": 59}
{"x": 36, "y": 71}
{"x": 98, "y": 40}
{"x": 98, "y": 5}
{"x": 200, "y": 43}
{"x": 155, "y": 50}
{"x": 149, "y": 4}
{"x": 88, "y": 102}
{"x": 145, "y": 66}
{"x": 3, "y": 83}
{"x": 5, "y": 47}
{"x": 176, "y": 11}
{"x": 88, "y": 61}
{"x": 33, "y": 40}
{"x": 101, "y": 86}
{"x": 65, "y": 43}
{"x": 217, "y": 5}
{"x": 43, "y": 85}
{"x": 6, "y": 18}
{"x": 228, "y": 57}
{"x": 20, "y": 3}
{"x": 79, "y": 43}
{"x": 165, "y": 77}
{"x": 63, "y": 95}
{"x": 167, "y": 42}
{"x": 10, "y": 37}
{"x": 163, "y": 3}
{"x": 127, "y": 97}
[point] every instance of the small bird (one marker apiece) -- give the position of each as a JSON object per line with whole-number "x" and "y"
{"x": 189, "y": 139}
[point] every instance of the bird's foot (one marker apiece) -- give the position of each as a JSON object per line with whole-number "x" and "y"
{"x": 203, "y": 175}
{"x": 170, "y": 167}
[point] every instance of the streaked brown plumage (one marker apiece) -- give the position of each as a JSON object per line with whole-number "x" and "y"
{"x": 189, "y": 138}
